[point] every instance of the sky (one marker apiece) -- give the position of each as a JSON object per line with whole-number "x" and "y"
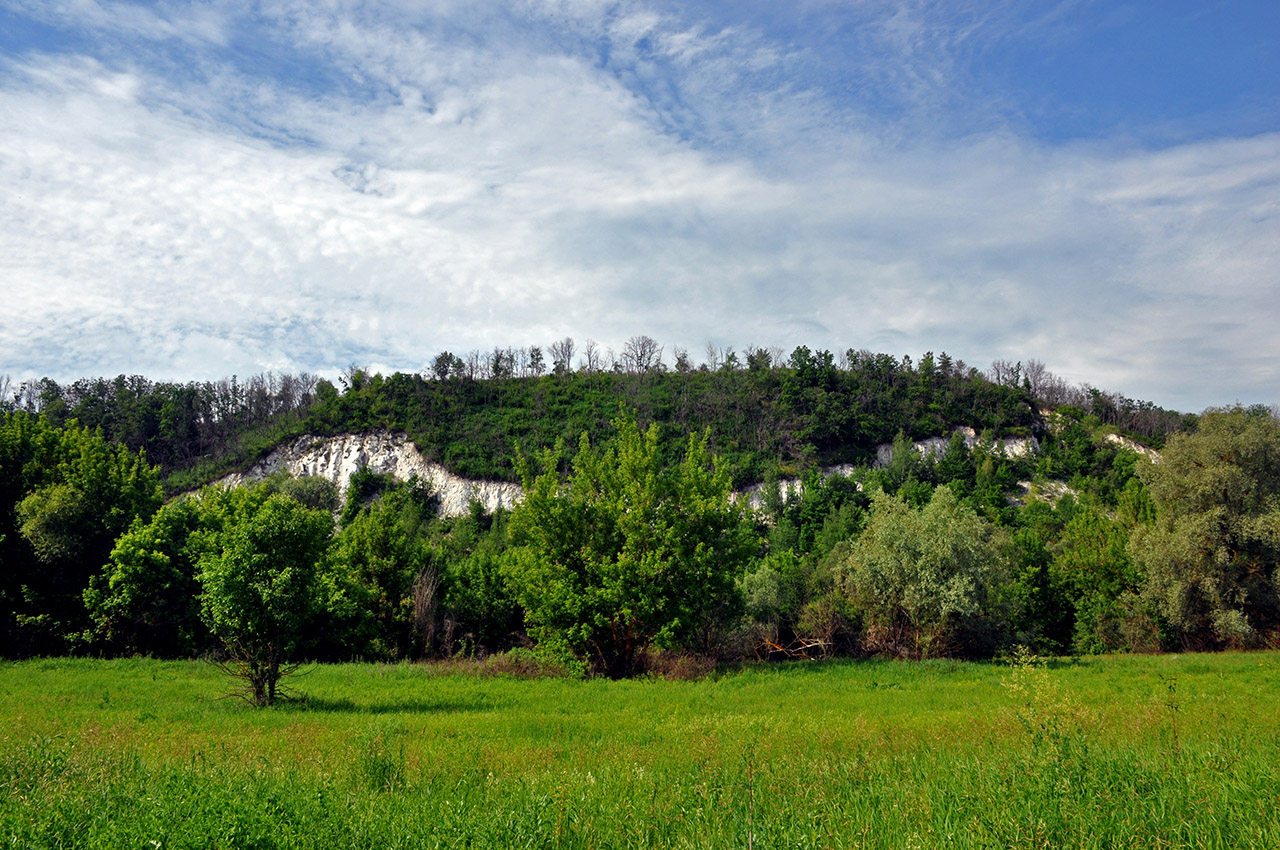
{"x": 191, "y": 190}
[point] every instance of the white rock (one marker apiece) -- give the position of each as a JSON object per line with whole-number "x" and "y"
{"x": 790, "y": 488}
{"x": 936, "y": 447}
{"x": 1133, "y": 446}
{"x": 338, "y": 458}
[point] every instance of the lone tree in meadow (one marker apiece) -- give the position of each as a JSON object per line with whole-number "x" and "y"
{"x": 625, "y": 552}
{"x": 261, "y": 577}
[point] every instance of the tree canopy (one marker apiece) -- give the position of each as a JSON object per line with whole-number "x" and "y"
{"x": 1211, "y": 558}
{"x": 66, "y": 495}
{"x": 634, "y": 542}
{"x": 925, "y": 579}
{"x": 625, "y": 552}
{"x": 261, "y": 577}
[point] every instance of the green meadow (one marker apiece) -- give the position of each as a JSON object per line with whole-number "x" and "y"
{"x": 1120, "y": 751}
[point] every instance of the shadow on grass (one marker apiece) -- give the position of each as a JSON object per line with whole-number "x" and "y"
{"x": 409, "y": 706}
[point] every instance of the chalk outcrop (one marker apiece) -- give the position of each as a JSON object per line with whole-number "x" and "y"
{"x": 1134, "y": 446}
{"x": 1045, "y": 491}
{"x": 937, "y": 446}
{"x": 338, "y": 458}
{"x": 934, "y": 447}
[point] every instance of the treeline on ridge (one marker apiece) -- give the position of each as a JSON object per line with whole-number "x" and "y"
{"x": 764, "y": 409}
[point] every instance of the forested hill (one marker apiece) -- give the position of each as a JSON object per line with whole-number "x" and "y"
{"x": 766, "y": 413}
{"x": 1076, "y": 546}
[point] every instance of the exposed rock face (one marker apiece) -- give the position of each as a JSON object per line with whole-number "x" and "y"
{"x": 1133, "y": 446}
{"x": 1048, "y": 491}
{"x": 934, "y": 447}
{"x": 790, "y": 488}
{"x": 338, "y": 458}
{"x": 386, "y": 453}
{"x": 937, "y": 446}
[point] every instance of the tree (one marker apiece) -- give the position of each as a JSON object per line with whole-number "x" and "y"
{"x": 313, "y": 491}
{"x": 682, "y": 365}
{"x": 1005, "y": 373}
{"x": 501, "y": 363}
{"x": 626, "y": 552}
{"x": 955, "y": 467}
{"x": 385, "y": 552}
{"x": 592, "y": 359}
{"x": 641, "y": 354}
{"x": 146, "y": 599}
{"x": 444, "y": 365}
{"x": 712, "y": 363}
{"x": 65, "y": 496}
{"x": 261, "y": 578}
{"x": 537, "y": 365}
{"x": 925, "y": 580}
{"x": 562, "y": 356}
{"x": 1211, "y": 557}
{"x": 1094, "y": 568}
{"x": 758, "y": 359}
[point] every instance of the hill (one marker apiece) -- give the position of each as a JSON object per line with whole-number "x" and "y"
{"x": 766, "y": 414}
{"x": 1040, "y": 512}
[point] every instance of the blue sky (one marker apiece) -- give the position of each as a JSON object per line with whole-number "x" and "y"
{"x": 194, "y": 189}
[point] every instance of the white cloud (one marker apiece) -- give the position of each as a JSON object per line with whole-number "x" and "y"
{"x": 509, "y": 190}
{"x": 163, "y": 21}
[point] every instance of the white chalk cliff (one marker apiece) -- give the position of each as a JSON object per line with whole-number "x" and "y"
{"x": 338, "y": 458}
{"x": 936, "y": 447}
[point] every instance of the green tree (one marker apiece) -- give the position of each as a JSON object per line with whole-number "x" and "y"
{"x": 955, "y": 468}
{"x": 925, "y": 579}
{"x": 1211, "y": 557}
{"x": 478, "y": 610}
{"x": 386, "y": 553}
{"x": 66, "y": 494}
{"x": 626, "y": 552}
{"x": 310, "y": 490}
{"x": 1093, "y": 567}
{"x": 1040, "y": 614}
{"x": 146, "y": 599}
{"x": 261, "y": 573}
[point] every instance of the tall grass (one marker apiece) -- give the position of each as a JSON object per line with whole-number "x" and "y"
{"x": 1101, "y": 753}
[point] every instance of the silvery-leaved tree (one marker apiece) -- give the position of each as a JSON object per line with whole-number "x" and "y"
{"x": 926, "y": 580}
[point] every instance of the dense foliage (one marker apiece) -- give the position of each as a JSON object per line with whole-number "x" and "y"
{"x": 762, "y": 407}
{"x": 66, "y": 495}
{"x": 927, "y": 579}
{"x": 1212, "y": 557}
{"x": 627, "y": 552}
{"x": 633, "y": 549}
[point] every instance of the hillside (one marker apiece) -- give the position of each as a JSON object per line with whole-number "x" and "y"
{"x": 765, "y": 414}
{"x": 1032, "y": 493}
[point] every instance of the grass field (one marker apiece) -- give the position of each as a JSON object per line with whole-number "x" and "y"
{"x": 1133, "y": 751}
